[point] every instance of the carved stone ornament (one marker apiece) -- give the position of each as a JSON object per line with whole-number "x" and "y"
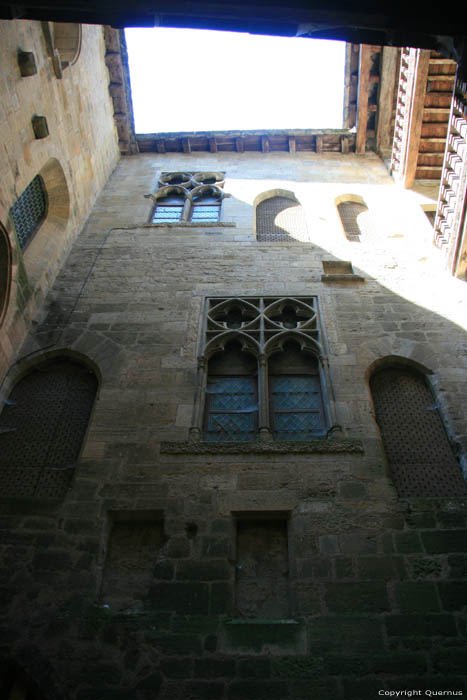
{"x": 318, "y": 446}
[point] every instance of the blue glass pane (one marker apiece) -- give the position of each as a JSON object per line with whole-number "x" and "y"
{"x": 291, "y": 393}
{"x": 167, "y": 215}
{"x": 205, "y": 213}
{"x": 297, "y": 426}
{"x": 225, "y": 427}
{"x": 232, "y": 393}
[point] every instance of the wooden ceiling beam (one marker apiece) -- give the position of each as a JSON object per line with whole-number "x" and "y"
{"x": 389, "y": 65}
{"x": 362, "y": 104}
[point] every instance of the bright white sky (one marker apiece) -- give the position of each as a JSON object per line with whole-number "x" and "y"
{"x": 198, "y": 80}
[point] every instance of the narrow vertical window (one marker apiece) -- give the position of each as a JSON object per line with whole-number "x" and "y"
{"x": 29, "y": 211}
{"x": 415, "y": 441}
{"x": 262, "y": 568}
{"x": 355, "y": 219}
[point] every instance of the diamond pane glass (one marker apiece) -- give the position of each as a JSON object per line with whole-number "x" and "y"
{"x": 227, "y": 427}
{"x": 297, "y": 426}
{"x": 236, "y": 393}
{"x": 205, "y": 212}
{"x": 29, "y": 210}
{"x": 291, "y": 393}
{"x": 167, "y": 215}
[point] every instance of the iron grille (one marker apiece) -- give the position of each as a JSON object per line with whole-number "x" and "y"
{"x": 29, "y": 211}
{"x": 416, "y": 444}
{"x": 349, "y": 213}
{"x": 43, "y": 427}
{"x": 280, "y": 219}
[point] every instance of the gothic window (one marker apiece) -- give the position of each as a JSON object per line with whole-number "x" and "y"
{"x": 188, "y": 198}
{"x": 354, "y": 216}
{"x": 29, "y": 211}
{"x": 295, "y": 395}
{"x": 231, "y": 411}
{"x": 415, "y": 441}
{"x": 280, "y": 219}
{"x": 42, "y": 427}
{"x": 169, "y": 206}
{"x": 206, "y": 206}
{"x": 261, "y": 371}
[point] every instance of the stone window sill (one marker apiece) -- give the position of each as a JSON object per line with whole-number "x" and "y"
{"x": 190, "y": 224}
{"x": 318, "y": 446}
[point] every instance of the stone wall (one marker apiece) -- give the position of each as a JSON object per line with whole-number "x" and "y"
{"x": 129, "y": 589}
{"x": 75, "y": 159}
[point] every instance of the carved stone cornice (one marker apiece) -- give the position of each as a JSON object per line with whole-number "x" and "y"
{"x": 319, "y": 446}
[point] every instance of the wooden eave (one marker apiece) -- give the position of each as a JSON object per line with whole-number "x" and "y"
{"x": 283, "y": 140}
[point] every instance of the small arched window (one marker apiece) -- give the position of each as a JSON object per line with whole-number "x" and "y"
{"x": 296, "y": 406}
{"x": 206, "y": 206}
{"x": 280, "y": 219}
{"x": 29, "y": 211}
{"x": 354, "y": 217}
{"x": 169, "y": 207}
{"x": 415, "y": 441}
{"x": 42, "y": 427}
{"x": 231, "y": 408}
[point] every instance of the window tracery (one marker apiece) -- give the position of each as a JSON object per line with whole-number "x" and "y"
{"x": 185, "y": 197}
{"x": 262, "y": 371}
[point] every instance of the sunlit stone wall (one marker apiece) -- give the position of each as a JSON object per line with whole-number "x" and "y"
{"x": 74, "y": 159}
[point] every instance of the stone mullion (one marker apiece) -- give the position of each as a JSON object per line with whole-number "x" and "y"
{"x": 196, "y": 429}
{"x": 328, "y": 398}
{"x": 264, "y": 427}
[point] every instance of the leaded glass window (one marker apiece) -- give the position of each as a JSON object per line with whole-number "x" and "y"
{"x": 231, "y": 409}
{"x": 296, "y": 407}
{"x": 168, "y": 210}
{"x": 205, "y": 208}
{"x": 29, "y": 211}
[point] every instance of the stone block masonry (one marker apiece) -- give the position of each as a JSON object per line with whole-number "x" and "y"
{"x": 131, "y": 587}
